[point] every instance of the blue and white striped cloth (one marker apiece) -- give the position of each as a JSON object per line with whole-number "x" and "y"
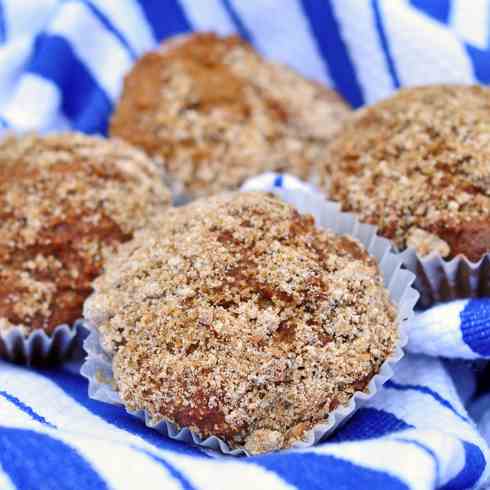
{"x": 62, "y": 65}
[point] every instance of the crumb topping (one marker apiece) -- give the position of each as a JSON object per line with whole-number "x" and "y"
{"x": 418, "y": 164}
{"x": 213, "y": 113}
{"x": 237, "y": 317}
{"x": 66, "y": 201}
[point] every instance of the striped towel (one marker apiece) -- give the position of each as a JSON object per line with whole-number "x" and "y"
{"x": 61, "y": 66}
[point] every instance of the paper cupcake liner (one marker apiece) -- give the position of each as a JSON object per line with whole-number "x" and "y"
{"x": 438, "y": 279}
{"x": 97, "y": 367}
{"x": 39, "y": 348}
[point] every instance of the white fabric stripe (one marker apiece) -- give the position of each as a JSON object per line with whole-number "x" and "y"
{"x": 130, "y": 21}
{"x": 438, "y": 330}
{"x": 401, "y": 460}
{"x": 27, "y": 16}
{"x": 34, "y": 104}
{"x": 232, "y": 474}
{"x": 113, "y": 469}
{"x": 5, "y": 481}
{"x": 471, "y": 22}
{"x": 60, "y": 123}
{"x": 425, "y": 413}
{"x": 123, "y": 468}
{"x": 264, "y": 182}
{"x": 11, "y": 416}
{"x": 36, "y": 391}
{"x": 429, "y": 372}
{"x": 433, "y": 55}
{"x": 422, "y": 410}
{"x": 13, "y": 57}
{"x": 364, "y": 45}
{"x": 104, "y": 56}
{"x": 285, "y": 38}
{"x": 448, "y": 450}
{"x": 211, "y": 18}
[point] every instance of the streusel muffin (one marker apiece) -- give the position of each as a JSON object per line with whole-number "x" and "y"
{"x": 417, "y": 165}
{"x": 239, "y": 318}
{"x": 213, "y": 112}
{"x": 66, "y": 202}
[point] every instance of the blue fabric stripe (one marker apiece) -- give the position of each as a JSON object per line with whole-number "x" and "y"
{"x": 475, "y": 325}
{"x": 310, "y": 471}
{"x": 472, "y": 470}
{"x": 325, "y": 28}
{"x": 55, "y": 60}
{"x": 77, "y": 388}
{"x": 384, "y": 43}
{"x": 426, "y": 391}
{"x": 165, "y": 22}
{"x": 3, "y": 25}
{"x": 479, "y": 60}
{"x": 278, "y": 181}
{"x": 369, "y": 423}
{"x": 26, "y": 409}
{"x": 107, "y": 23}
{"x": 438, "y": 9}
{"x": 237, "y": 21}
{"x": 33, "y": 460}
{"x": 173, "y": 471}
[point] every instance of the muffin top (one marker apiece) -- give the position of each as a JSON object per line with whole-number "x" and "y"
{"x": 237, "y": 317}
{"x": 417, "y": 165}
{"x": 213, "y": 113}
{"x": 66, "y": 201}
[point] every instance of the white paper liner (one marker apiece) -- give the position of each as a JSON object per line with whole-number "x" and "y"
{"x": 97, "y": 367}
{"x": 438, "y": 279}
{"x": 39, "y": 348}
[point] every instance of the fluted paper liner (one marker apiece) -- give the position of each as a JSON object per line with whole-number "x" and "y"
{"x": 438, "y": 279}
{"x": 98, "y": 369}
{"x": 38, "y": 347}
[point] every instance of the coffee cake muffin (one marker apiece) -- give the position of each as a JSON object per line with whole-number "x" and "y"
{"x": 213, "y": 112}
{"x": 239, "y": 318}
{"x": 417, "y": 165}
{"x": 66, "y": 202}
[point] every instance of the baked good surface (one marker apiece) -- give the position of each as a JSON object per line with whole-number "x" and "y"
{"x": 66, "y": 202}
{"x": 213, "y": 112}
{"x": 237, "y": 317}
{"x": 417, "y": 165}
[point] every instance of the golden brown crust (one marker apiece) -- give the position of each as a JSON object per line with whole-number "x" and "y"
{"x": 237, "y": 317}
{"x": 418, "y": 166}
{"x": 66, "y": 201}
{"x": 214, "y": 113}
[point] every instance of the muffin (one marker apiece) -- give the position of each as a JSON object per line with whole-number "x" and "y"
{"x": 417, "y": 165}
{"x": 238, "y": 318}
{"x": 66, "y": 202}
{"x": 213, "y": 112}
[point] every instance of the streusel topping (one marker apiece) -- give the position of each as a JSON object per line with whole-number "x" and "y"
{"x": 66, "y": 201}
{"x": 213, "y": 113}
{"x": 417, "y": 165}
{"x": 238, "y": 317}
